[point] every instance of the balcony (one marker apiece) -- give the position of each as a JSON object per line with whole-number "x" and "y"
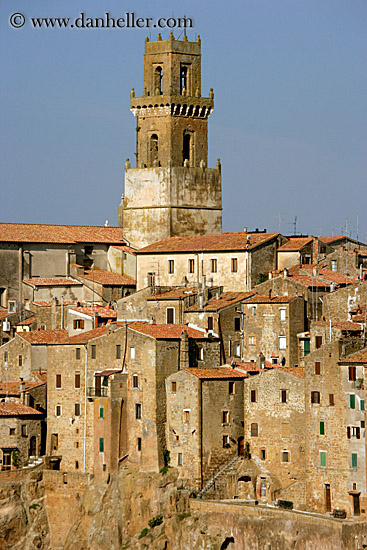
{"x": 97, "y": 392}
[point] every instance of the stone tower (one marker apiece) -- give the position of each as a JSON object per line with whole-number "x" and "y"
{"x": 171, "y": 191}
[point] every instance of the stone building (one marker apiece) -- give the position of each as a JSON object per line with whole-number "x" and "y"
{"x": 270, "y": 328}
{"x": 171, "y": 191}
{"x": 335, "y": 448}
{"x": 103, "y": 286}
{"x": 231, "y": 260}
{"x": 296, "y": 251}
{"x": 275, "y": 428}
{"x": 339, "y": 304}
{"x": 84, "y": 317}
{"x": 204, "y": 421}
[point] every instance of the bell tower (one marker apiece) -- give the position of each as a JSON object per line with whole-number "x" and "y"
{"x": 171, "y": 191}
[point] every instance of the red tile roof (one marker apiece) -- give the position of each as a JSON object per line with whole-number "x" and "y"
{"x": 28, "y": 321}
{"x": 331, "y": 276}
{"x": 45, "y": 336}
{"x": 296, "y": 371}
{"x": 225, "y": 299}
{"x": 166, "y": 332}
{"x": 108, "y": 372}
{"x": 328, "y": 240}
{"x": 84, "y": 337}
{"x": 271, "y": 300}
{"x": 342, "y": 325}
{"x": 52, "y": 282}
{"x": 100, "y": 311}
{"x": 356, "y": 357}
{"x": 125, "y": 248}
{"x": 175, "y": 293}
{"x": 309, "y": 281}
{"x": 295, "y": 243}
{"x": 198, "y": 243}
{"x": 215, "y": 373}
{"x": 109, "y": 279}
{"x": 68, "y": 234}
{"x": 42, "y": 376}
{"x": 18, "y": 409}
{"x": 13, "y": 388}
{"x": 47, "y": 303}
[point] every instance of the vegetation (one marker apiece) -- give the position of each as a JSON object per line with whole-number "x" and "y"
{"x": 143, "y": 533}
{"x": 15, "y": 458}
{"x": 246, "y": 452}
{"x": 184, "y": 516}
{"x": 157, "y": 520}
{"x": 166, "y": 460}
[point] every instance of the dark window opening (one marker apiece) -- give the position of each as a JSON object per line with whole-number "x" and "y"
{"x": 186, "y": 147}
{"x": 237, "y": 323}
{"x": 318, "y": 342}
{"x": 183, "y": 80}
{"x": 153, "y": 149}
{"x": 254, "y": 430}
{"x": 170, "y": 315}
{"x": 158, "y": 78}
{"x": 317, "y": 367}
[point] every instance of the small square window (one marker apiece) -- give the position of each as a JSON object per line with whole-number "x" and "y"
{"x": 237, "y": 324}
{"x": 132, "y": 353}
{"x": 285, "y": 456}
{"x": 191, "y": 266}
{"x": 138, "y": 411}
{"x": 58, "y": 381}
{"x": 234, "y": 265}
{"x": 323, "y": 458}
{"x": 317, "y": 367}
{"x": 179, "y": 459}
{"x": 225, "y": 441}
{"x": 101, "y": 445}
{"x": 139, "y": 443}
{"x": 77, "y": 380}
{"x": 118, "y": 351}
{"x": 231, "y": 388}
{"x": 214, "y": 265}
{"x": 173, "y": 387}
{"x": 283, "y": 396}
{"x": 252, "y": 340}
{"x": 78, "y": 324}
{"x": 77, "y": 353}
{"x": 254, "y": 430}
{"x": 94, "y": 351}
{"x": 77, "y": 409}
{"x": 171, "y": 266}
{"x": 11, "y": 431}
{"x": 135, "y": 381}
{"x": 253, "y": 396}
{"x": 101, "y": 412}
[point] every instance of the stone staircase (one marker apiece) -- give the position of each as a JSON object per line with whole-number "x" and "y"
{"x": 216, "y": 485}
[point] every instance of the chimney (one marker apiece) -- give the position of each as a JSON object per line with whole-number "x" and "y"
{"x": 22, "y": 391}
{"x": 261, "y": 361}
{"x": 285, "y": 272}
{"x": 201, "y": 301}
{"x": 245, "y": 229}
{"x": 184, "y": 350}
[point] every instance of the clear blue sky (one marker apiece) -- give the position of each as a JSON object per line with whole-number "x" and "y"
{"x": 289, "y": 123}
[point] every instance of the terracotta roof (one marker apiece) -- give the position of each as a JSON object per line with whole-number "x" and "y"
{"x": 329, "y": 240}
{"x": 215, "y": 373}
{"x": 198, "y": 243}
{"x": 296, "y": 243}
{"x": 166, "y": 332}
{"x": 175, "y": 293}
{"x": 296, "y": 371}
{"x": 48, "y": 303}
{"x": 107, "y": 278}
{"x": 13, "y": 388}
{"x": 42, "y": 376}
{"x": 101, "y": 311}
{"x": 331, "y": 276}
{"x": 108, "y": 372}
{"x": 17, "y": 409}
{"x": 68, "y": 234}
{"x": 84, "y": 337}
{"x": 341, "y": 325}
{"x": 28, "y": 321}
{"x": 225, "y": 299}
{"x": 356, "y": 357}
{"x": 126, "y": 248}
{"x": 309, "y": 281}
{"x": 272, "y": 300}
{"x": 45, "y": 336}
{"x": 4, "y": 314}
{"x": 52, "y": 282}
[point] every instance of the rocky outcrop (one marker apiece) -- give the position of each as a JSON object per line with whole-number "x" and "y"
{"x": 23, "y": 520}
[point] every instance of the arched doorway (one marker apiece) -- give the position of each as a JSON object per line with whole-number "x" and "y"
{"x": 32, "y": 446}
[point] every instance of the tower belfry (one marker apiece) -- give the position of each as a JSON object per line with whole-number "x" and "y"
{"x": 171, "y": 191}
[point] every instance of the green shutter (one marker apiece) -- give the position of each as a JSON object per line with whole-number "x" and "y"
{"x": 354, "y": 460}
{"x": 322, "y": 458}
{"x": 352, "y": 401}
{"x": 361, "y": 406}
{"x": 101, "y": 412}
{"x": 306, "y": 346}
{"x": 101, "y": 445}
{"x": 322, "y": 428}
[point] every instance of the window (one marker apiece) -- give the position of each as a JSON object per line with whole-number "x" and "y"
{"x": 352, "y": 371}
{"x": 354, "y": 460}
{"x": 200, "y": 354}
{"x": 254, "y": 429}
{"x": 77, "y": 464}
{"x": 6, "y": 356}
{"x": 262, "y": 454}
{"x": 283, "y": 396}
{"x": 318, "y": 342}
{"x": 322, "y": 428}
{"x": 179, "y": 459}
{"x": 237, "y": 324}
{"x": 214, "y": 265}
{"x": 101, "y": 445}
{"x": 101, "y": 412}
{"x": 285, "y": 429}
{"x": 58, "y": 381}
{"x": 285, "y": 456}
{"x": 315, "y": 397}
{"x": 77, "y": 353}
{"x": 11, "y": 431}
{"x": 58, "y": 410}
{"x": 252, "y": 340}
{"x": 88, "y": 249}
{"x": 183, "y": 79}
{"x": 225, "y": 440}
{"x": 362, "y": 424}
{"x": 361, "y": 404}
{"x": 118, "y": 351}
{"x": 186, "y": 147}
{"x": 77, "y": 381}
{"x": 138, "y": 411}
{"x": 158, "y": 77}
{"x": 253, "y": 311}
{"x": 94, "y": 351}
{"x": 78, "y": 324}
{"x": 323, "y": 458}
{"x": 132, "y": 353}
{"x": 77, "y": 409}
{"x": 282, "y": 314}
{"x": 77, "y": 444}
{"x": 20, "y": 360}
{"x": 11, "y": 306}
{"x": 210, "y": 323}
{"x": 234, "y": 265}
{"x": 139, "y": 443}
{"x": 171, "y": 266}
{"x": 317, "y": 367}
{"x": 331, "y": 399}
{"x": 225, "y": 417}
{"x": 334, "y": 265}
{"x": 170, "y": 316}
{"x": 135, "y": 381}
{"x": 231, "y": 388}
{"x": 186, "y": 416}
{"x": 23, "y": 430}
{"x": 352, "y": 401}
{"x": 253, "y": 396}
{"x": 173, "y": 387}
{"x": 191, "y": 266}
{"x": 282, "y": 342}
{"x": 237, "y": 350}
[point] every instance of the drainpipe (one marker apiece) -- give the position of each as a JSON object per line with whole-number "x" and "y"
{"x": 85, "y": 408}
{"x": 62, "y": 311}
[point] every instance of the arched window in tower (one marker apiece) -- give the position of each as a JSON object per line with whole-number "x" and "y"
{"x": 183, "y": 79}
{"x": 158, "y": 77}
{"x": 186, "y": 147}
{"x": 153, "y": 148}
